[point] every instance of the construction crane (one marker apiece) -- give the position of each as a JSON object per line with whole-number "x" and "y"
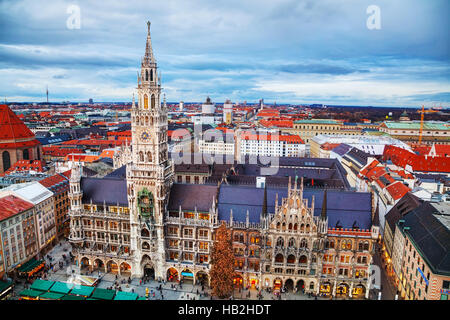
{"x": 422, "y": 115}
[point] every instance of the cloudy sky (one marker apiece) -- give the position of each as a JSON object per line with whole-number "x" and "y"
{"x": 301, "y": 51}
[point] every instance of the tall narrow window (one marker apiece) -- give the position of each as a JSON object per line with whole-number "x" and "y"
{"x": 26, "y": 154}
{"x": 145, "y": 101}
{"x": 153, "y": 101}
{"x": 146, "y": 75}
{"x": 6, "y": 160}
{"x": 151, "y": 75}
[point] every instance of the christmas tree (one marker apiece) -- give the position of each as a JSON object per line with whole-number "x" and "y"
{"x": 222, "y": 260}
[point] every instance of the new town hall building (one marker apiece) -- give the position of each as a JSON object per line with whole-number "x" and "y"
{"x": 137, "y": 221}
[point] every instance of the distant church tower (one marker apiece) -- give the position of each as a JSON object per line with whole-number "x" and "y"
{"x": 150, "y": 175}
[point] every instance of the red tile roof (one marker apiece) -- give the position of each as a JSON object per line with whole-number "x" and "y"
{"x": 13, "y": 131}
{"x": 54, "y": 180}
{"x": 25, "y": 166}
{"x": 12, "y": 205}
{"x": 397, "y": 190}
{"x": 401, "y": 157}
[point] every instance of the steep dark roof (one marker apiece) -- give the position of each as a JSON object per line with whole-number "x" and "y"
{"x": 341, "y": 149}
{"x": 357, "y": 156}
{"x": 110, "y": 190}
{"x": 406, "y": 204}
{"x": 430, "y": 236}
{"x": 191, "y": 196}
{"x": 119, "y": 173}
{"x": 343, "y": 207}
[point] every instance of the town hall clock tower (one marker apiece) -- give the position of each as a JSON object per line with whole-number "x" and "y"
{"x": 150, "y": 174}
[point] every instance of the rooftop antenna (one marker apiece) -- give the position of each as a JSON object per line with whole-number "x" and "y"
{"x": 47, "y": 94}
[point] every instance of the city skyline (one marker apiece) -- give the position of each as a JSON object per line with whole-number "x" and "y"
{"x": 285, "y": 52}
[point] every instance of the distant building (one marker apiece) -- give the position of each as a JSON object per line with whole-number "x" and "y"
{"x": 373, "y": 145}
{"x": 269, "y": 144}
{"x": 308, "y": 129}
{"x": 433, "y": 132}
{"x": 91, "y": 101}
{"x": 228, "y": 112}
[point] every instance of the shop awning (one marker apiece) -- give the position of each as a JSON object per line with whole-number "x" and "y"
{"x": 51, "y": 296}
{"x": 85, "y": 291}
{"x": 42, "y": 285}
{"x": 30, "y": 293}
{"x": 61, "y": 287}
{"x": 30, "y": 265}
{"x": 103, "y": 294}
{"x": 71, "y": 297}
{"x": 121, "y": 295}
{"x": 4, "y": 285}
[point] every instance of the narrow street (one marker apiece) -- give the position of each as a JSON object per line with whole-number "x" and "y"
{"x": 388, "y": 289}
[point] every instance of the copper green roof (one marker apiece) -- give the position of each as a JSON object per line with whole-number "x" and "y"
{"x": 415, "y": 125}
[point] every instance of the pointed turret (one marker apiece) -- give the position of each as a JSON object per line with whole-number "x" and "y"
{"x": 323, "y": 213}
{"x": 264, "y": 207}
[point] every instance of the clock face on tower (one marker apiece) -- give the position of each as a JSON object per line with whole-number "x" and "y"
{"x": 145, "y": 136}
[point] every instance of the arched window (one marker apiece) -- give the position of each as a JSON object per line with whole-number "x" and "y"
{"x": 290, "y": 226}
{"x": 279, "y": 258}
{"x": 151, "y": 75}
{"x": 303, "y": 260}
{"x": 141, "y": 156}
{"x": 6, "y": 160}
{"x": 38, "y": 153}
{"x": 366, "y": 246}
{"x": 145, "y": 101}
{"x": 304, "y": 243}
{"x": 280, "y": 242}
{"x": 291, "y": 243}
{"x": 149, "y": 156}
{"x": 146, "y": 75}
{"x": 153, "y": 101}
{"x": 278, "y": 225}
{"x": 26, "y": 154}
{"x": 302, "y": 228}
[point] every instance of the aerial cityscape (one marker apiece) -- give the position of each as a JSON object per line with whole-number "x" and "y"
{"x": 135, "y": 192}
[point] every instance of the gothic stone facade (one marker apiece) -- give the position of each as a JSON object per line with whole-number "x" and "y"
{"x": 145, "y": 224}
